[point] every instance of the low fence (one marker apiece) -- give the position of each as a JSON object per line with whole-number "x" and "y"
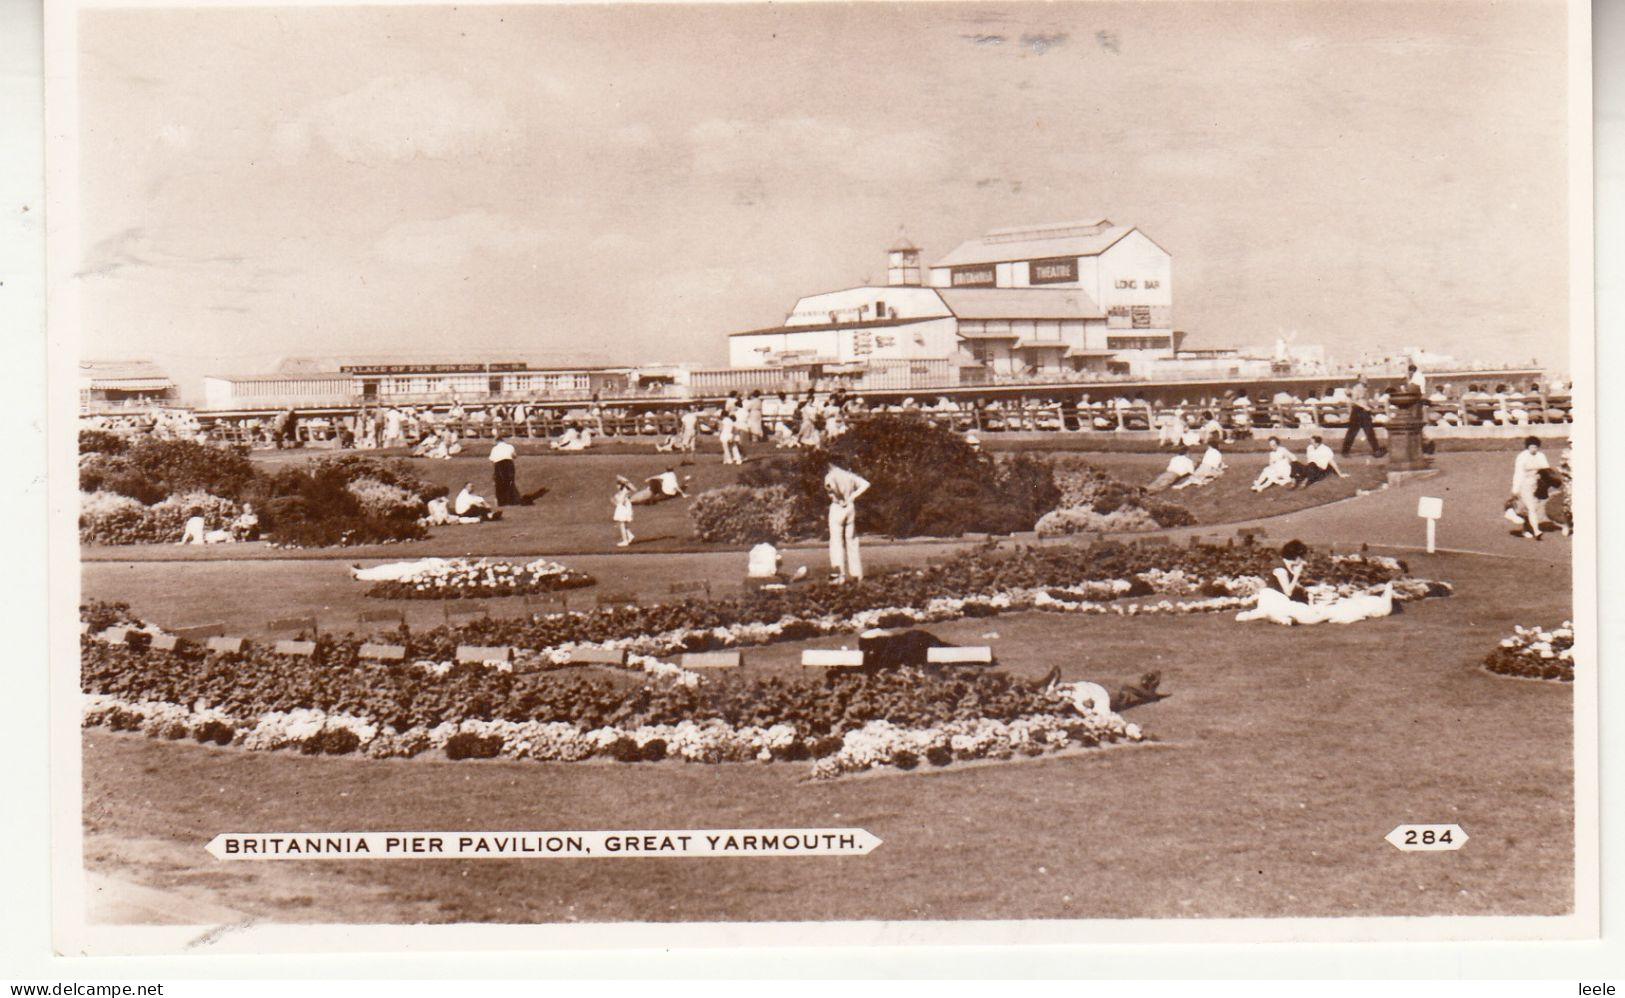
{"x": 1471, "y": 418}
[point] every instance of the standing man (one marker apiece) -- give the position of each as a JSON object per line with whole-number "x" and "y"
{"x": 688, "y": 438}
{"x": 502, "y": 471}
{"x": 843, "y": 488}
{"x": 1360, "y": 418}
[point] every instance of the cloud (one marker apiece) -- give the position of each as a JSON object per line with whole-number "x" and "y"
{"x": 447, "y": 242}
{"x": 393, "y": 119}
{"x": 725, "y": 146}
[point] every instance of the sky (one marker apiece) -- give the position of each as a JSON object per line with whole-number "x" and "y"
{"x": 628, "y": 184}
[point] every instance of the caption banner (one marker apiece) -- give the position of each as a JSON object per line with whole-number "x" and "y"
{"x": 543, "y": 845}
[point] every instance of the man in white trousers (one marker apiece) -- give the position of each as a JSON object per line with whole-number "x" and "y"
{"x": 844, "y": 488}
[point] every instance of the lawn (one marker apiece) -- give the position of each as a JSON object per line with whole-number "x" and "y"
{"x": 1284, "y": 757}
{"x": 572, "y": 516}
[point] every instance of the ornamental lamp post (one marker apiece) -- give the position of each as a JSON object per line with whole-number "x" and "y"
{"x": 1405, "y": 424}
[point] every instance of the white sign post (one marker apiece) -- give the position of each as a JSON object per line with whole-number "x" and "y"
{"x": 1430, "y": 509}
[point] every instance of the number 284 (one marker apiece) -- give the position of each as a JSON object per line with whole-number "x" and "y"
{"x": 1427, "y": 837}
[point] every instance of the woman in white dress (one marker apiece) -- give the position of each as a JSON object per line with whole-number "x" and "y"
{"x": 1279, "y": 469}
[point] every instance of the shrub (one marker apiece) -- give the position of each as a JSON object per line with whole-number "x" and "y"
{"x": 218, "y": 732}
{"x": 1082, "y": 486}
{"x": 109, "y": 518}
{"x": 382, "y": 499}
{"x": 357, "y": 468}
{"x": 1084, "y": 520}
{"x": 151, "y": 470}
{"x": 738, "y": 514}
{"x": 468, "y": 745}
{"x": 925, "y": 481}
{"x": 100, "y": 615}
{"x": 102, "y": 442}
{"x": 315, "y": 507}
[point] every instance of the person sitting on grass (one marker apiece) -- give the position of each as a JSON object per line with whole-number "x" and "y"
{"x": 471, "y": 504}
{"x": 1318, "y": 462}
{"x": 659, "y": 488}
{"x": 1212, "y": 467}
{"x": 1279, "y": 469}
{"x": 246, "y": 527}
{"x": 1180, "y": 467}
{"x": 1285, "y": 600}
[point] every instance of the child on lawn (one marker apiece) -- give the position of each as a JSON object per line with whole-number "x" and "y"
{"x": 623, "y": 510}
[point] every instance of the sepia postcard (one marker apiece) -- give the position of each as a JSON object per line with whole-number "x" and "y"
{"x": 599, "y": 475}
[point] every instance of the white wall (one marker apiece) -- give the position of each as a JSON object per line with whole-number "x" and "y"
{"x": 1136, "y": 262}
{"x": 859, "y": 305}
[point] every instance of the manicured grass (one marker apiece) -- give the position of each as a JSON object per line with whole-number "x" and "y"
{"x": 1287, "y": 754}
{"x": 572, "y": 517}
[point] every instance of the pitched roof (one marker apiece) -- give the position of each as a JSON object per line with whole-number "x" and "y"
{"x": 1036, "y": 243}
{"x": 819, "y": 327}
{"x": 1020, "y": 303}
{"x": 125, "y": 375}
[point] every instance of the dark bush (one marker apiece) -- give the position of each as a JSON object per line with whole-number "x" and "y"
{"x": 468, "y": 745}
{"x": 624, "y": 749}
{"x": 925, "y": 480}
{"x": 313, "y": 507}
{"x": 939, "y": 755}
{"x": 218, "y": 732}
{"x": 102, "y": 442}
{"x": 100, "y": 615}
{"x": 391, "y": 471}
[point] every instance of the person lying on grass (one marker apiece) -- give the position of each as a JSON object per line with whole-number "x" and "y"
{"x": 1212, "y": 467}
{"x": 1180, "y": 467}
{"x": 1093, "y": 698}
{"x": 1285, "y": 600}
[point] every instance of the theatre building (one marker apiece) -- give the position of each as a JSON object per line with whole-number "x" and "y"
{"x": 1046, "y": 299}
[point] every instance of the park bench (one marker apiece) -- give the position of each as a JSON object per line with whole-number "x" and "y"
{"x": 222, "y": 645}
{"x": 684, "y": 588}
{"x": 165, "y": 642}
{"x": 832, "y": 658}
{"x": 597, "y": 656}
{"x": 466, "y": 608}
{"x": 199, "y": 632}
{"x": 617, "y": 599}
{"x": 544, "y": 604}
{"x": 115, "y": 635}
{"x": 283, "y": 625}
{"x": 302, "y": 649}
{"x": 382, "y": 653}
{"x": 484, "y": 653}
{"x": 713, "y": 660}
{"x": 959, "y": 655}
{"x": 396, "y": 617}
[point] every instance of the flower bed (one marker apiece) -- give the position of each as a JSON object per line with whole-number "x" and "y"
{"x": 332, "y": 702}
{"x": 468, "y": 578}
{"x": 852, "y": 722}
{"x": 1535, "y": 653}
{"x": 1071, "y": 580}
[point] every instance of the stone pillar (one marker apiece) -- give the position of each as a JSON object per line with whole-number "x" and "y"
{"x": 1405, "y": 425}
